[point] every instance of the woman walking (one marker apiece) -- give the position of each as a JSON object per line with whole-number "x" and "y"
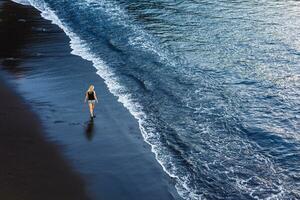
{"x": 90, "y": 95}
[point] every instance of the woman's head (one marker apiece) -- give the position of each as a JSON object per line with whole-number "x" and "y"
{"x": 91, "y": 88}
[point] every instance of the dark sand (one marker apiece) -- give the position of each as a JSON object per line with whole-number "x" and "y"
{"x": 31, "y": 168}
{"x": 108, "y": 151}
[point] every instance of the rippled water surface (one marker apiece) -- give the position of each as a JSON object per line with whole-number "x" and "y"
{"x": 215, "y": 86}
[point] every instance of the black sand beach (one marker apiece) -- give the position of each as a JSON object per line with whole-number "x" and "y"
{"x": 31, "y": 168}
{"x": 108, "y": 152}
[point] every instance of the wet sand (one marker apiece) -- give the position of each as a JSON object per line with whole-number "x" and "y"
{"x": 31, "y": 168}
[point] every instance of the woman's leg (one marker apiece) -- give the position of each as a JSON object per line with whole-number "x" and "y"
{"x": 91, "y": 109}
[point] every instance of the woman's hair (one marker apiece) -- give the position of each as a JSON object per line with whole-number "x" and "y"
{"x": 91, "y": 88}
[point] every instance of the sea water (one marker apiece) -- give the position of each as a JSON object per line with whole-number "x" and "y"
{"x": 214, "y": 85}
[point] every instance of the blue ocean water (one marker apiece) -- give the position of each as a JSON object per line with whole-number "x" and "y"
{"x": 215, "y": 86}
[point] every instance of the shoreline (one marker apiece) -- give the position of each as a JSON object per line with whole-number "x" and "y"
{"x": 126, "y": 167}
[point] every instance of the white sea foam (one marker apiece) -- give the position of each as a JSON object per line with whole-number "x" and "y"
{"x": 23, "y": 2}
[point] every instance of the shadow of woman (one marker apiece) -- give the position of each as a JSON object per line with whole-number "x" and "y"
{"x": 89, "y": 129}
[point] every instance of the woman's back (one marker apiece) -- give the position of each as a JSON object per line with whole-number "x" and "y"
{"x": 91, "y": 95}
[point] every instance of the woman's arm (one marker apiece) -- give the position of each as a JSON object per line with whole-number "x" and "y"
{"x": 86, "y": 96}
{"x": 95, "y": 96}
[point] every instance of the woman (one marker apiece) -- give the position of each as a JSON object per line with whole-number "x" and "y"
{"x": 90, "y": 95}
